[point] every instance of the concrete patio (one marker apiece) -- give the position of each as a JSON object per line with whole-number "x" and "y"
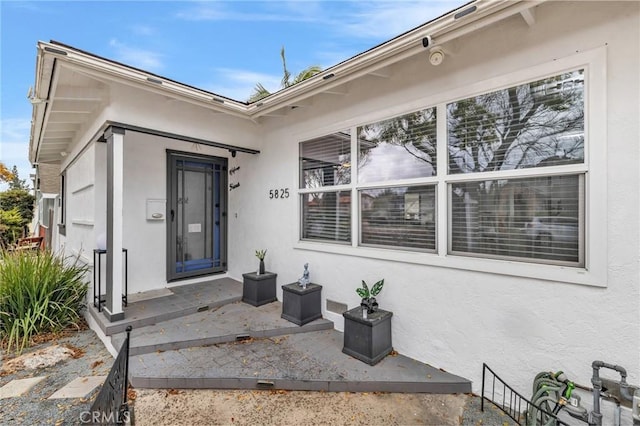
{"x": 202, "y": 336}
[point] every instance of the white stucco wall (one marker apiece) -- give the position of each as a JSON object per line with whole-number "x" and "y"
{"x": 453, "y": 318}
{"x": 144, "y": 161}
{"x": 80, "y": 212}
{"x": 146, "y": 178}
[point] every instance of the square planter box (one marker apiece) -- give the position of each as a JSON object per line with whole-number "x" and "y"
{"x": 299, "y": 305}
{"x": 259, "y": 289}
{"x": 368, "y": 340}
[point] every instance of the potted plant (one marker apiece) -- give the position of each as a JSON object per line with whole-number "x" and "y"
{"x": 367, "y": 329}
{"x": 259, "y": 287}
{"x": 368, "y": 296}
{"x": 260, "y": 254}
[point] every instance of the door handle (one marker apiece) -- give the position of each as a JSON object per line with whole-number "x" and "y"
{"x": 172, "y": 215}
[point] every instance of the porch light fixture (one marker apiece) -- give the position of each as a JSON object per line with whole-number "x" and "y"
{"x": 233, "y": 153}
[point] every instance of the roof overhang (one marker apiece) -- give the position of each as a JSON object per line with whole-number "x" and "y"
{"x": 71, "y": 84}
{"x": 451, "y": 26}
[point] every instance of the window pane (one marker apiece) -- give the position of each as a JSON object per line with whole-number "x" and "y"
{"x": 326, "y": 161}
{"x": 533, "y": 218}
{"x": 399, "y": 217}
{"x": 400, "y": 148}
{"x": 532, "y": 125}
{"x": 327, "y": 216}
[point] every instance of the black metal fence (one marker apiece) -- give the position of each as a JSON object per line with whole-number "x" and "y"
{"x": 516, "y": 406}
{"x": 110, "y": 406}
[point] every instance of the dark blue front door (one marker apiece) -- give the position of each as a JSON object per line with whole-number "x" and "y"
{"x": 197, "y": 215}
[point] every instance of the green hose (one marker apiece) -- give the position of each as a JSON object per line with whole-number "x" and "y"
{"x": 548, "y": 392}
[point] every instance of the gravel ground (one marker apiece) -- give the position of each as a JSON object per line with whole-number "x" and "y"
{"x": 210, "y": 407}
{"x": 34, "y": 408}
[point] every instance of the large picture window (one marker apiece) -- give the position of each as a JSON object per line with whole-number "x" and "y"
{"x": 537, "y": 125}
{"x": 509, "y": 183}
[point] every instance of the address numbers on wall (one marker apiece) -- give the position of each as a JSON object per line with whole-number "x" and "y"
{"x": 279, "y": 193}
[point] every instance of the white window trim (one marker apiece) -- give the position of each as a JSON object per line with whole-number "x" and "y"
{"x": 594, "y": 273}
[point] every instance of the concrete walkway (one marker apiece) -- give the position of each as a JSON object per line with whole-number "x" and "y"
{"x": 201, "y": 336}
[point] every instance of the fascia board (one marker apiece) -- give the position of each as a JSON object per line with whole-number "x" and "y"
{"x": 41, "y": 91}
{"x": 442, "y": 30}
{"x": 112, "y": 71}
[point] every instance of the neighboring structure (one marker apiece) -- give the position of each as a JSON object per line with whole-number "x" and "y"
{"x": 484, "y": 164}
{"x": 46, "y": 185}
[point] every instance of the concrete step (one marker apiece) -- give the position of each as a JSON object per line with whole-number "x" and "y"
{"x": 311, "y": 361}
{"x": 183, "y": 300}
{"x": 224, "y": 324}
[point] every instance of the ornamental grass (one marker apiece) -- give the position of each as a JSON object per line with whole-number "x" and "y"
{"x": 40, "y": 292}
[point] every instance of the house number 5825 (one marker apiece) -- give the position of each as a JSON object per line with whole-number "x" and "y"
{"x": 279, "y": 193}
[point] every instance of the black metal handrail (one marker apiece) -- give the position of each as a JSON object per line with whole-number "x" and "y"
{"x": 110, "y": 406}
{"x": 513, "y": 403}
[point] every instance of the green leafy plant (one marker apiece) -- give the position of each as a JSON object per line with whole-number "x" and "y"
{"x": 369, "y": 296}
{"x": 260, "y": 254}
{"x": 11, "y": 224}
{"x": 39, "y": 292}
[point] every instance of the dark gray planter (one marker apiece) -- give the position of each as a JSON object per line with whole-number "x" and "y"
{"x": 259, "y": 289}
{"x": 300, "y": 305}
{"x": 368, "y": 340}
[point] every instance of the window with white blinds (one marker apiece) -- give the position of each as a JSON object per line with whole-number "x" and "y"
{"x": 514, "y": 131}
{"x": 539, "y": 218}
{"x": 402, "y": 216}
{"x": 512, "y": 186}
{"x": 327, "y": 216}
{"x": 325, "y": 165}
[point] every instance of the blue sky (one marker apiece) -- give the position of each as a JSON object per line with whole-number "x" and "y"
{"x": 222, "y": 46}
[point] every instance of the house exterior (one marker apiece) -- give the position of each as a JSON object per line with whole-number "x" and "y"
{"x": 485, "y": 164}
{"x": 46, "y": 184}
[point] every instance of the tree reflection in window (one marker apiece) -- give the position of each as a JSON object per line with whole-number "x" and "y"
{"x": 403, "y": 147}
{"x": 532, "y": 125}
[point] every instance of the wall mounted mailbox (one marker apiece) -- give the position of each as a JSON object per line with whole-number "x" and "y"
{"x": 156, "y": 209}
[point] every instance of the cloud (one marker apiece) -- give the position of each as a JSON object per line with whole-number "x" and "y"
{"x": 218, "y": 11}
{"x": 383, "y": 20}
{"x": 390, "y": 162}
{"x": 238, "y": 84}
{"x": 378, "y": 20}
{"x": 143, "y": 30}
{"x": 15, "y": 130}
{"x": 32, "y": 6}
{"x": 14, "y": 144}
{"x": 140, "y": 58}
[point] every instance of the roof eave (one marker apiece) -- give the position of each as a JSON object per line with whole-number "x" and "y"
{"x": 442, "y": 30}
{"x": 114, "y": 70}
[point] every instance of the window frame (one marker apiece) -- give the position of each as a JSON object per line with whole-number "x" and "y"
{"x": 594, "y": 170}
{"x": 62, "y": 225}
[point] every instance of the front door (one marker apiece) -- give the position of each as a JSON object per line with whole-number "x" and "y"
{"x": 196, "y": 215}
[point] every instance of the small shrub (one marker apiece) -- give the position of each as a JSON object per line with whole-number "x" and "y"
{"x": 11, "y": 225}
{"x": 39, "y": 292}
